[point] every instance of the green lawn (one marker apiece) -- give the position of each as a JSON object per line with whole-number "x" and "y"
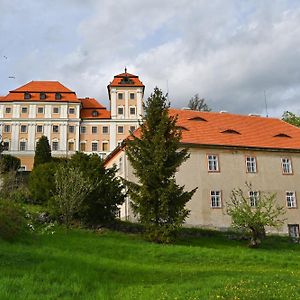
{"x": 78, "y": 264}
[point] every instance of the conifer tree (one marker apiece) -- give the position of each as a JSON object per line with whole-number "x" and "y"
{"x": 155, "y": 156}
{"x": 42, "y": 152}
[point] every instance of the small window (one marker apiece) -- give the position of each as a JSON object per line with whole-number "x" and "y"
{"x": 95, "y": 113}
{"x": 291, "y": 199}
{"x": 71, "y": 129}
{"x": 23, "y": 128}
{"x": 39, "y": 128}
{"x": 7, "y": 110}
{"x": 120, "y": 110}
{"x": 82, "y": 147}
{"x": 40, "y": 110}
{"x": 42, "y": 96}
{"x": 251, "y": 164}
{"x": 6, "y": 146}
{"x": 105, "y": 129}
{"x": 120, "y": 96}
{"x": 94, "y": 129}
{"x": 55, "y": 110}
{"x": 82, "y": 129}
{"x": 253, "y": 198}
{"x": 286, "y": 165}
{"x": 120, "y": 129}
{"x": 57, "y": 96}
{"x": 215, "y": 198}
{"x": 71, "y": 146}
{"x": 230, "y": 131}
{"x": 22, "y": 146}
{"x": 71, "y": 110}
{"x": 132, "y": 128}
{"x": 213, "y": 163}
{"x": 27, "y": 95}
{"x": 132, "y": 96}
{"x": 282, "y": 135}
{"x": 55, "y": 146}
{"x": 24, "y": 110}
{"x": 55, "y": 128}
{"x": 198, "y": 119}
{"x": 294, "y": 232}
{"x": 105, "y": 146}
{"x": 132, "y": 110}
{"x": 6, "y": 128}
{"x": 94, "y": 146}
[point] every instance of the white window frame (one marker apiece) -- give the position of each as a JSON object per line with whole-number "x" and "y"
{"x": 253, "y": 198}
{"x": 55, "y": 108}
{"x": 10, "y": 109}
{"x": 83, "y": 129}
{"x": 286, "y": 166}
{"x": 93, "y": 129}
{"x": 37, "y": 126}
{"x": 72, "y": 109}
{"x": 55, "y": 127}
{"x": 71, "y": 128}
{"x": 25, "y": 145}
{"x": 57, "y": 143}
{"x": 123, "y": 110}
{"x": 42, "y": 108}
{"x": 130, "y": 96}
{"x": 7, "y": 126}
{"x": 22, "y": 126}
{"x": 251, "y": 164}
{"x": 94, "y": 143}
{"x": 120, "y": 126}
{"x": 107, "y": 132}
{"x": 24, "y": 107}
{"x": 122, "y": 97}
{"x": 215, "y": 198}
{"x": 213, "y": 163}
{"x": 130, "y": 107}
{"x": 291, "y": 200}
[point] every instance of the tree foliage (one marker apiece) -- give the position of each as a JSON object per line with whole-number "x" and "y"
{"x": 155, "y": 156}
{"x": 42, "y": 152}
{"x": 291, "y": 118}
{"x": 197, "y": 103}
{"x": 254, "y": 219}
{"x": 9, "y": 163}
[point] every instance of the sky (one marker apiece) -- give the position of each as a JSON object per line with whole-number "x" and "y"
{"x": 233, "y": 53}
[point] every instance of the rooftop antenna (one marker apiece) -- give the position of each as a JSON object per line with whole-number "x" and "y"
{"x": 167, "y": 89}
{"x": 266, "y": 104}
{"x": 125, "y": 69}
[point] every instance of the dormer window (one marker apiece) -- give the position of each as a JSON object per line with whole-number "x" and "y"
{"x": 182, "y": 128}
{"x": 27, "y": 95}
{"x": 57, "y": 96}
{"x": 42, "y": 96}
{"x": 230, "y": 131}
{"x": 198, "y": 119}
{"x": 282, "y": 135}
{"x": 95, "y": 113}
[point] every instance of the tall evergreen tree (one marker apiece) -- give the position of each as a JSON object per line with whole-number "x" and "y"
{"x": 155, "y": 156}
{"x": 42, "y": 152}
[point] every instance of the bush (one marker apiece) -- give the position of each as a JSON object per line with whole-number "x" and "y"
{"x": 9, "y": 163}
{"x": 12, "y": 220}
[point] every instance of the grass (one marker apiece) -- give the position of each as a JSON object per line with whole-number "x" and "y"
{"x": 79, "y": 264}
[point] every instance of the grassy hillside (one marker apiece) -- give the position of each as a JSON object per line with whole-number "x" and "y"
{"x": 84, "y": 265}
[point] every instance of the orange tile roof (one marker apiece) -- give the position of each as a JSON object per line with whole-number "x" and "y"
{"x": 43, "y": 86}
{"x": 133, "y": 80}
{"x": 90, "y": 105}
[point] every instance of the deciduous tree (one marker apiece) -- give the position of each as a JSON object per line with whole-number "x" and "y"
{"x": 197, "y": 103}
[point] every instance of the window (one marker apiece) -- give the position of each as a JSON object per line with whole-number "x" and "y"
{"x": 215, "y": 198}
{"x": 132, "y": 128}
{"x": 22, "y": 146}
{"x": 94, "y": 129}
{"x": 24, "y": 110}
{"x": 71, "y": 110}
{"x": 286, "y": 165}
{"x": 6, "y": 145}
{"x": 250, "y": 164}
{"x": 71, "y": 146}
{"x": 71, "y": 129}
{"x": 120, "y": 129}
{"x": 83, "y": 129}
{"x": 7, "y": 110}
{"x": 120, "y": 110}
{"x": 132, "y": 110}
{"x": 39, "y": 128}
{"x": 253, "y": 198}
{"x": 291, "y": 199}
{"x": 213, "y": 163}
{"x": 55, "y": 110}
{"x": 27, "y": 95}
{"x": 94, "y": 146}
{"x": 120, "y": 96}
{"x": 131, "y": 96}
{"x": 23, "y": 128}
{"x": 82, "y": 147}
{"x": 6, "y": 128}
{"x": 57, "y": 96}
{"x": 55, "y": 145}
{"x": 42, "y": 96}
{"x": 105, "y": 129}
{"x": 105, "y": 146}
{"x": 55, "y": 128}
{"x": 40, "y": 110}
{"x": 294, "y": 232}
{"x": 95, "y": 113}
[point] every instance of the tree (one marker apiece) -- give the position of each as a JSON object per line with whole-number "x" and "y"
{"x": 197, "y": 103}
{"x": 106, "y": 194}
{"x": 254, "y": 219}
{"x": 9, "y": 163}
{"x": 155, "y": 156}
{"x": 291, "y": 118}
{"x": 71, "y": 189}
{"x": 42, "y": 152}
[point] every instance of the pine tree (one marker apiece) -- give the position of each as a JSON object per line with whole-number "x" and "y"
{"x": 155, "y": 156}
{"x": 42, "y": 152}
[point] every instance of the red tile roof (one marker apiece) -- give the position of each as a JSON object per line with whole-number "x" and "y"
{"x": 126, "y": 79}
{"x": 91, "y": 105}
{"x": 43, "y": 86}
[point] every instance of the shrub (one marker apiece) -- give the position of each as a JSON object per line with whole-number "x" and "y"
{"x": 12, "y": 220}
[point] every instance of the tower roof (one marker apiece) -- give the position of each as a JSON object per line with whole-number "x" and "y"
{"x": 126, "y": 80}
